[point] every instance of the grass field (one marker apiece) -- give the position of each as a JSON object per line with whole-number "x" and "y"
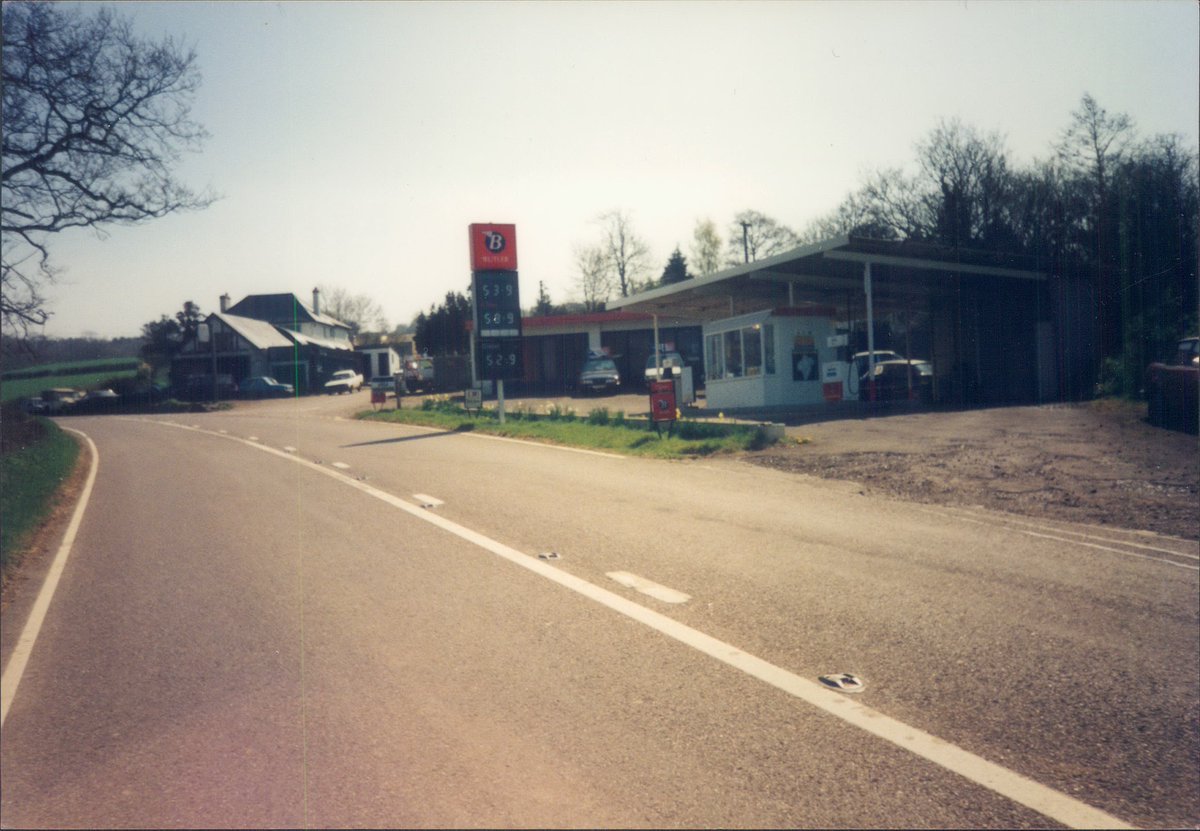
{"x": 28, "y": 382}
{"x": 598, "y": 430}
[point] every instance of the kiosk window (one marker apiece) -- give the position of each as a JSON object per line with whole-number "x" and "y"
{"x": 748, "y": 351}
{"x": 733, "y": 354}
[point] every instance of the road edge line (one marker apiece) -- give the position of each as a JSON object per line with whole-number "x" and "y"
{"x": 15, "y": 669}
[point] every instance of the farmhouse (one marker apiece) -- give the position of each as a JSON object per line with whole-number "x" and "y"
{"x": 266, "y": 334}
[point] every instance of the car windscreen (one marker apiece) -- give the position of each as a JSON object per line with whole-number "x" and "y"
{"x": 600, "y": 366}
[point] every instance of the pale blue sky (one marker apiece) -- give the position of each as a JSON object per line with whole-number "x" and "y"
{"x": 353, "y": 143}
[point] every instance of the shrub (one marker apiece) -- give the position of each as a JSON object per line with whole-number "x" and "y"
{"x": 557, "y": 413}
{"x": 598, "y": 416}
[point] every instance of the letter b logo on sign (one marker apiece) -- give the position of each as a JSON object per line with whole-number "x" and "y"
{"x": 493, "y": 247}
{"x": 494, "y": 240}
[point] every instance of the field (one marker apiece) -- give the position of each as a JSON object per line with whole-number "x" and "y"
{"x": 26, "y": 383}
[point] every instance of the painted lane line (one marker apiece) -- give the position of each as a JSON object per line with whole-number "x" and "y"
{"x": 648, "y": 587}
{"x": 289, "y": 449}
{"x": 428, "y": 501}
{"x": 1020, "y": 789}
{"x": 11, "y": 679}
{"x": 1087, "y": 544}
{"x": 341, "y": 465}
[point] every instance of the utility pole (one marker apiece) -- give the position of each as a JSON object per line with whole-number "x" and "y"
{"x": 746, "y": 241}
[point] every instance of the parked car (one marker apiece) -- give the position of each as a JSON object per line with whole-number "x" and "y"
{"x": 264, "y": 386}
{"x": 599, "y": 374}
{"x": 893, "y": 377}
{"x": 60, "y": 398}
{"x": 34, "y": 406}
{"x": 344, "y": 380}
{"x": 418, "y": 374}
{"x": 667, "y": 365}
{"x": 95, "y": 401}
{"x": 861, "y": 360}
{"x": 1173, "y": 388}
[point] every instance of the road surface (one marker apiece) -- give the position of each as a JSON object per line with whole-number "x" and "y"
{"x": 275, "y": 616}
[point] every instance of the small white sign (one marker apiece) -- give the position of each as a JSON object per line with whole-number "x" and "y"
{"x": 834, "y": 371}
{"x": 834, "y": 341}
{"x": 473, "y": 399}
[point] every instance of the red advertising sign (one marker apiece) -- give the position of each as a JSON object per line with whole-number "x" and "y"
{"x": 493, "y": 247}
{"x": 662, "y": 401}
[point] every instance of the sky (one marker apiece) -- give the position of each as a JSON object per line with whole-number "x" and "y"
{"x": 352, "y": 144}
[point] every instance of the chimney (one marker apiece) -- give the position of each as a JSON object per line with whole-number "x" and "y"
{"x": 225, "y": 302}
{"x": 316, "y": 301}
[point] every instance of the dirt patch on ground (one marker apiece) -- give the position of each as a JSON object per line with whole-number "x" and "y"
{"x": 1098, "y": 462}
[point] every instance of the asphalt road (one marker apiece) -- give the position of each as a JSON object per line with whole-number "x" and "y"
{"x": 275, "y": 616}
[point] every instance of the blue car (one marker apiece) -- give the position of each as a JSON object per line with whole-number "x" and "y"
{"x": 265, "y": 387}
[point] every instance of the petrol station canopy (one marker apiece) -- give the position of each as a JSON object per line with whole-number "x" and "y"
{"x": 894, "y": 275}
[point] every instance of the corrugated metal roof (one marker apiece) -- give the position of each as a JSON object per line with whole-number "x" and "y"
{"x": 258, "y": 333}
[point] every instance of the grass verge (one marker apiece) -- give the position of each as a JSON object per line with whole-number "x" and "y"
{"x": 29, "y": 477}
{"x": 599, "y": 430}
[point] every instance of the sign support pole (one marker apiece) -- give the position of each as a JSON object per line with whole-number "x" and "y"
{"x": 500, "y": 398}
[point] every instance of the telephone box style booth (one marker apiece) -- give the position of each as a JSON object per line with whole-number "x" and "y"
{"x": 801, "y": 329}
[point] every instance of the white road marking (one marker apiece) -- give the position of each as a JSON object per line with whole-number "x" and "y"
{"x": 1022, "y": 530}
{"x": 341, "y": 465}
{"x": 428, "y": 501}
{"x": 648, "y": 587}
{"x": 1045, "y": 800}
{"x": 253, "y": 438}
{"x": 289, "y": 449}
{"x": 11, "y": 679}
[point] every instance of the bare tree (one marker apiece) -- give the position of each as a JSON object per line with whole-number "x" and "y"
{"x": 94, "y": 119}
{"x": 706, "y": 247}
{"x": 627, "y": 254}
{"x": 967, "y": 183}
{"x": 1092, "y": 147}
{"x": 359, "y": 311}
{"x": 594, "y": 276}
{"x": 754, "y": 235}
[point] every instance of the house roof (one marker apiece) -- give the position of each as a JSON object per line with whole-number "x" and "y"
{"x": 282, "y": 310}
{"x": 825, "y": 272}
{"x": 258, "y": 333}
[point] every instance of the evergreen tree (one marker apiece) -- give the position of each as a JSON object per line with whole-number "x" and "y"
{"x": 676, "y": 270}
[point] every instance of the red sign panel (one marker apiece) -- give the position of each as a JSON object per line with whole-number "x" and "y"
{"x": 662, "y": 401}
{"x": 493, "y": 247}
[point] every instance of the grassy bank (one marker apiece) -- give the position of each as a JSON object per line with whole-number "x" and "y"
{"x": 30, "y": 474}
{"x": 598, "y": 430}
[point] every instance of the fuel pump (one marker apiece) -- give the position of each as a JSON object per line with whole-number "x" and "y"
{"x": 836, "y": 377}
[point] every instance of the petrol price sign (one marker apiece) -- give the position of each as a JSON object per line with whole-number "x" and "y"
{"x": 500, "y": 359}
{"x": 497, "y": 304}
